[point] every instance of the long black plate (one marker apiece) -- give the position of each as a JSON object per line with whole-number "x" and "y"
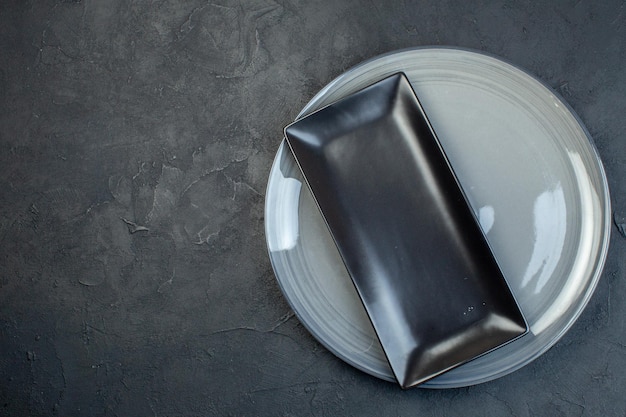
{"x": 407, "y": 235}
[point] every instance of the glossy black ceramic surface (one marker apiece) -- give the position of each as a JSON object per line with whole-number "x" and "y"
{"x": 411, "y": 244}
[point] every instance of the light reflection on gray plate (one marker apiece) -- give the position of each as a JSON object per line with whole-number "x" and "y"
{"x": 529, "y": 171}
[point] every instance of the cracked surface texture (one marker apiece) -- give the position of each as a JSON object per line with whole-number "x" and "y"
{"x": 135, "y": 142}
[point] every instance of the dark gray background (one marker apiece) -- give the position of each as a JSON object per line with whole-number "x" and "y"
{"x": 162, "y": 118}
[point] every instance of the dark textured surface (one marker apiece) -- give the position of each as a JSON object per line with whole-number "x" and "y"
{"x": 135, "y": 142}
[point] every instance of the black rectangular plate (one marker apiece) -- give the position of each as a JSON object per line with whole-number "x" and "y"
{"x": 407, "y": 235}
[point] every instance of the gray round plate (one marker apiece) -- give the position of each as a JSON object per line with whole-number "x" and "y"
{"x": 530, "y": 172}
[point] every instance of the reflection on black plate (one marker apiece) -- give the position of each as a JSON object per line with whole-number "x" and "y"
{"x": 414, "y": 250}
